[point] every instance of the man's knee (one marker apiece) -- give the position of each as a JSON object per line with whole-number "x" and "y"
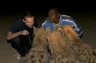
{"x": 15, "y": 42}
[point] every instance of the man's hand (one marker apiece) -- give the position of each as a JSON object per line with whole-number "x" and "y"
{"x": 24, "y": 32}
{"x": 59, "y": 27}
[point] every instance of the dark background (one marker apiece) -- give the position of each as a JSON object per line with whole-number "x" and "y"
{"x": 83, "y": 12}
{"x": 40, "y": 6}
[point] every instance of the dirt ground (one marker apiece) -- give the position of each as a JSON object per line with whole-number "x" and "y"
{"x": 8, "y": 54}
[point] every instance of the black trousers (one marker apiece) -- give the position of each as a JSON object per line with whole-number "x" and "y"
{"x": 22, "y": 45}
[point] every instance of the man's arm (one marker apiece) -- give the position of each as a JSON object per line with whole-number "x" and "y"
{"x": 13, "y": 31}
{"x": 68, "y": 20}
{"x": 43, "y": 25}
{"x": 13, "y": 35}
{"x": 78, "y": 29}
{"x": 75, "y": 26}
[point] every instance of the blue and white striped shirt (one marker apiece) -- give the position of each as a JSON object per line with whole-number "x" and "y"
{"x": 64, "y": 20}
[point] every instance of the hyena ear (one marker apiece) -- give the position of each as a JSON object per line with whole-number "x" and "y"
{"x": 69, "y": 31}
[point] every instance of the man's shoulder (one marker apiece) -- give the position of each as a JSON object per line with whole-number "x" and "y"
{"x": 46, "y": 21}
{"x": 18, "y": 22}
{"x": 65, "y": 17}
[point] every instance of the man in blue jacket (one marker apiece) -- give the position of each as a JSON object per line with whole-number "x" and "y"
{"x": 54, "y": 18}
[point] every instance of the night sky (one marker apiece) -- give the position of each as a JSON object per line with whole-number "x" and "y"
{"x": 39, "y": 6}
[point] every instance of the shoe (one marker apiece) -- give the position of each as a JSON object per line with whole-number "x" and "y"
{"x": 22, "y": 60}
{"x": 18, "y": 57}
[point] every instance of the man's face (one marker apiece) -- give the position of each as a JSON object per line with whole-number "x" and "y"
{"x": 29, "y": 21}
{"x": 53, "y": 16}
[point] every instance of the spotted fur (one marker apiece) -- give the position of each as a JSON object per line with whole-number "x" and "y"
{"x": 39, "y": 52}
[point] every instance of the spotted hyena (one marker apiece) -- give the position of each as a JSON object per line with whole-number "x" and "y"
{"x": 39, "y": 52}
{"x": 58, "y": 48}
{"x": 84, "y": 52}
{"x": 67, "y": 47}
